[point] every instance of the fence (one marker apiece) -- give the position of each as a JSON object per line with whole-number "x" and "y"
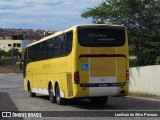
{"x": 145, "y": 79}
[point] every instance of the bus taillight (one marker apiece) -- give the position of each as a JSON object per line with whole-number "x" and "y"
{"x": 76, "y": 77}
{"x": 127, "y": 74}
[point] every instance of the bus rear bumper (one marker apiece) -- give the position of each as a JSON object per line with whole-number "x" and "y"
{"x": 101, "y": 91}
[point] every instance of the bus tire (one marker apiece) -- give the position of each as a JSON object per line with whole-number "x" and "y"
{"x": 99, "y": 100}
{"x": 51, "y": 95}
{"x": 59, "y": 100}
{"x": 30, "y": 92}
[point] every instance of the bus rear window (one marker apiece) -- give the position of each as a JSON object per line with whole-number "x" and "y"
{"x": 101, "y": 36}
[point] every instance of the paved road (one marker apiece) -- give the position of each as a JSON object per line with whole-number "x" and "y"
{"x": 13, "y": 98}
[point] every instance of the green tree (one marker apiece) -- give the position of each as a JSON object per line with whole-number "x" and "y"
{"x": 13, "y": 52}
{"x": 142, "y": 19}
{"x": 2, "y": 53}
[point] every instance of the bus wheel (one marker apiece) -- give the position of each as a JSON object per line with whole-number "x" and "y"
{"x": 59, "y": 100}
{"x": 30, "y": 92}
{"x": 51, "y": 95}
{"x": 99, "y": 100}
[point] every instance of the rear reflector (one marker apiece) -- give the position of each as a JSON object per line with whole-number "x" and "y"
{"x": 76, "y": 77}
{"x": 127, "y": 74}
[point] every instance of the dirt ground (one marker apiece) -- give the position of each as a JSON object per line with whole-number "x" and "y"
{"x": 9, "y": 69}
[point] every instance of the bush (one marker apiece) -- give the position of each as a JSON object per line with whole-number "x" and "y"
{"x": 133, "y": 63}
{"x": 2, "y": 53}
{"x": 7, "y": 62}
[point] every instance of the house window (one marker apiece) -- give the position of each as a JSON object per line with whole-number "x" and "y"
{"x": 16, "y": 45}
{"x": 9, "y": 45}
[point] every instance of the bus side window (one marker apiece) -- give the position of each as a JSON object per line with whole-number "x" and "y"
{"x": 50, "y": 48}
{"x": 69, "y": 37}
{"x": 29, "y": 59}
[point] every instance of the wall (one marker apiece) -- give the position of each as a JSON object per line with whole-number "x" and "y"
{"x": 145, "y": 79}
{"x": 4, "y": 44}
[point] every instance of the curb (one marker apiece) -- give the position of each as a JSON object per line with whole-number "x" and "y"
{"x": 145, "y": 98}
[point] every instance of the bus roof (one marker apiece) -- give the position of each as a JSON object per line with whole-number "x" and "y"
{"x": 71, "y": 28}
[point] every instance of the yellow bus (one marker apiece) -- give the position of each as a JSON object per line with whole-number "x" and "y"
{"x": 84, "y": 61}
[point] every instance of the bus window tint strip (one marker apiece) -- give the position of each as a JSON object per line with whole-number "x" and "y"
{"x": 55, "y": 47}
{"x": 101, "y": 36}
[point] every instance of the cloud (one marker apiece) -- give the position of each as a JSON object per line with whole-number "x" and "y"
{"x": 40, "y": 2}
{"x": 12, "y": 5}
{"x": 44, "y": 14}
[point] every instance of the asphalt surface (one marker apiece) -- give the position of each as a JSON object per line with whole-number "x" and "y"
{"x": 13, "y": 98}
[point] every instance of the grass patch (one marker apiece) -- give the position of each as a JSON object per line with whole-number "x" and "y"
{"x": 149, "y": 95}
{"x": 146, "y": 95}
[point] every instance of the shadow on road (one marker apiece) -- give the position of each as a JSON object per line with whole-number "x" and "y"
{"x": 114, "y": 103}
{"x": 6, "y": 104}
{"x": 84, "y": 104}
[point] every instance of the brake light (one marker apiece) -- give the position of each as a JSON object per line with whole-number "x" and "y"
{"x": 76, "y": 77}
{"x": 127, "y": 74}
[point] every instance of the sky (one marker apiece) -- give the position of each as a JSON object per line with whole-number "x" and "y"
{"x": 44, "y": 14}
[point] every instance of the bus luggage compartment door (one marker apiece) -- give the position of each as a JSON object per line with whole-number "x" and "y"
{"x": 102, "y": 74}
